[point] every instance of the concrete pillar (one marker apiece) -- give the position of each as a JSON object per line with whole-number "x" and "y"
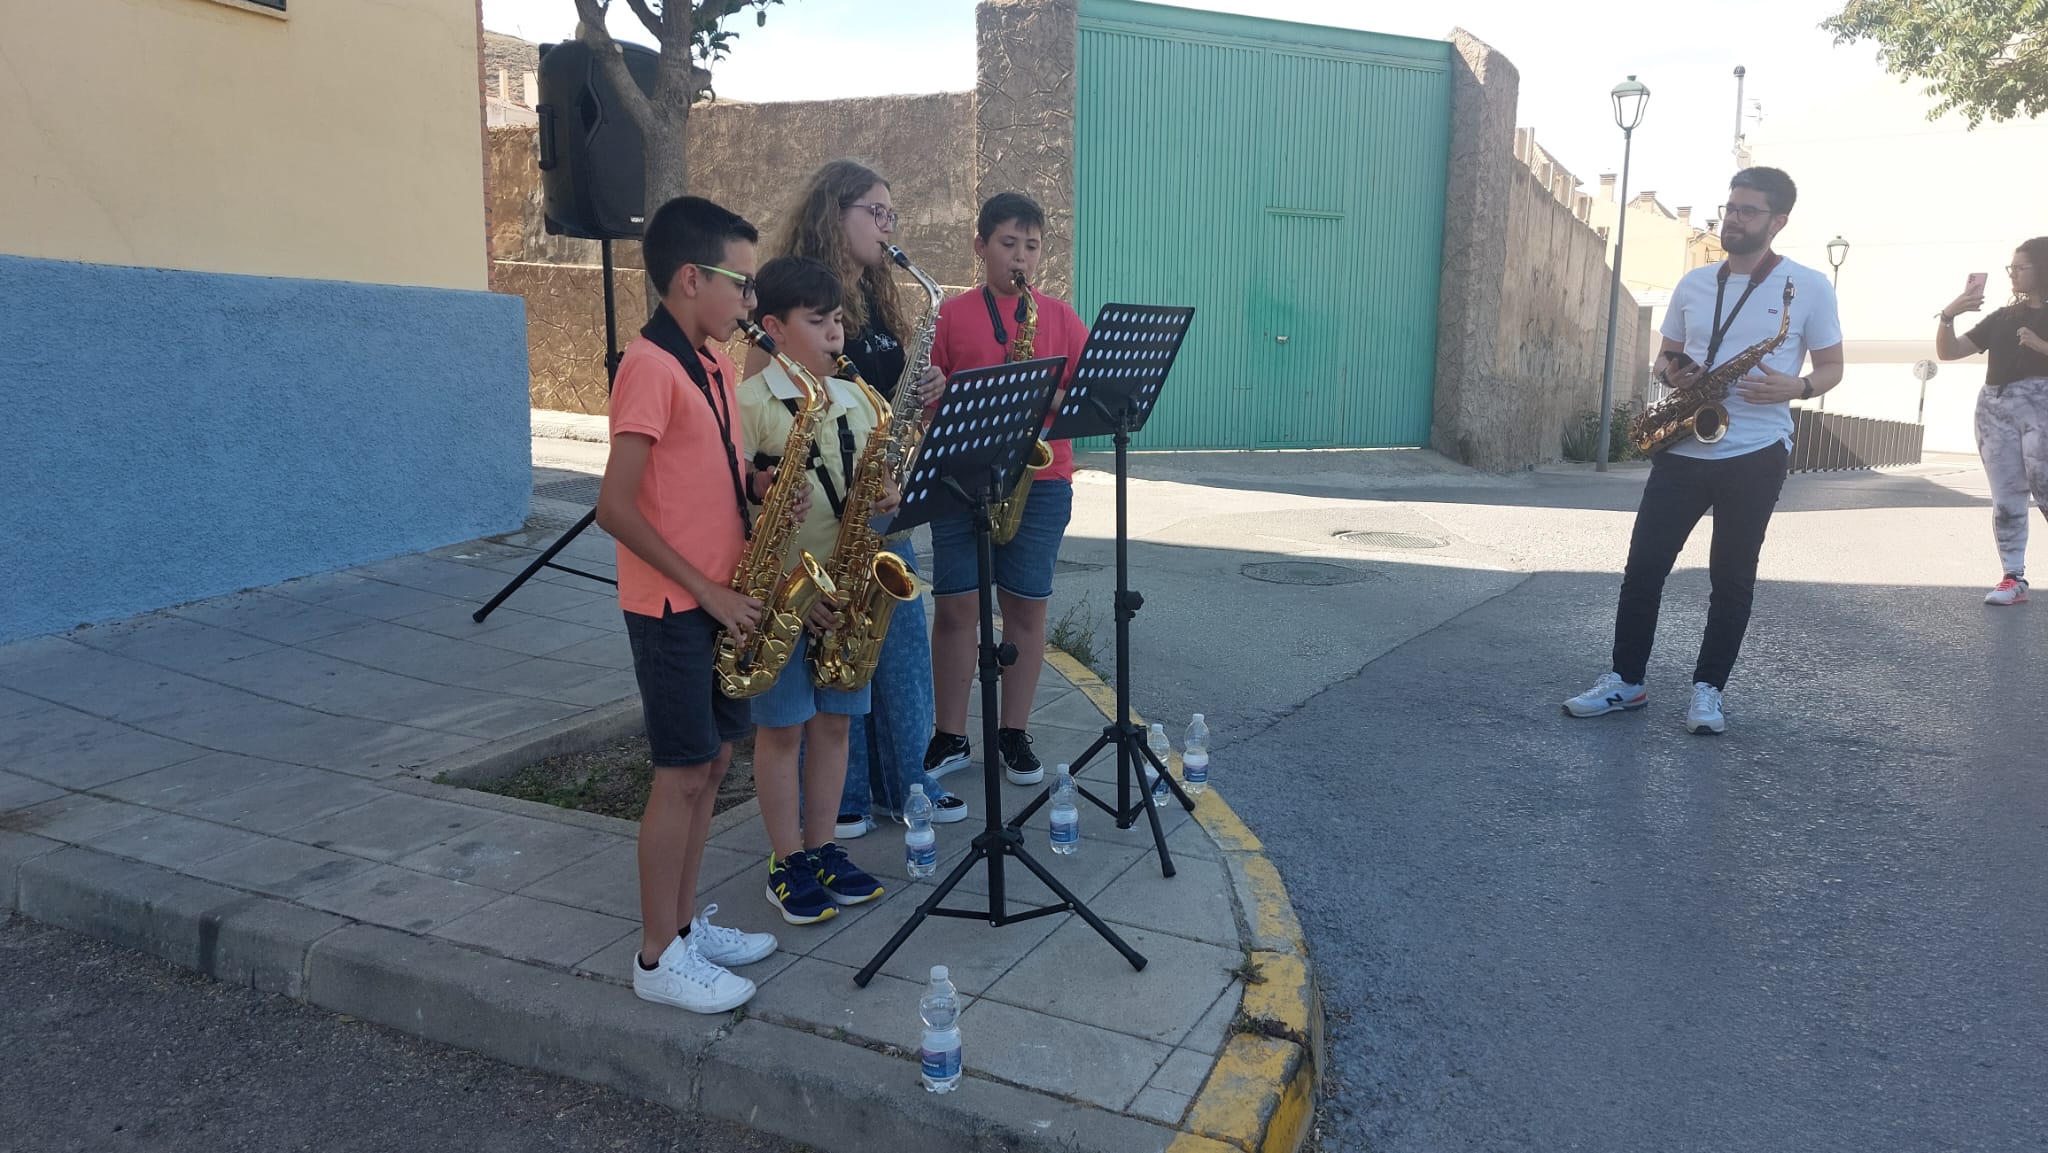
{"x": 1483, "y": 93}
{"x": 1024, "y": 117}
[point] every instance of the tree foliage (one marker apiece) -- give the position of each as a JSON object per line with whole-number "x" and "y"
{"x": 1980, "y": 57}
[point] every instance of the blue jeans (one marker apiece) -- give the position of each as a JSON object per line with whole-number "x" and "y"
{"x": 900, "y": 713}
{"x": 1024, "y": 566}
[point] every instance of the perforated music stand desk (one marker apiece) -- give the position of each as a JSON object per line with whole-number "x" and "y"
{"x": 970, "y": 458}
{"x": 1115, "y": 388}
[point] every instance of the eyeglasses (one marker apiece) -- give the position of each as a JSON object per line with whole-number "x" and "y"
{"x": 747, "y": 283}
{"x": 2015, "y": 269}
{"x": 885, "y": 217}
{"x": 1744, "y": 212}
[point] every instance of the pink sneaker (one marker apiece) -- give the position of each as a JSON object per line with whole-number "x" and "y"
{"x": 2010, "y": 591}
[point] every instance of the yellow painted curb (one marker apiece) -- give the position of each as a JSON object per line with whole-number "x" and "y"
{"x": 1260, "y": 1096}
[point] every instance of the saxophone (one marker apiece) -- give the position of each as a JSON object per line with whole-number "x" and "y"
{"x": 906, "y": 415}
{"x": 871, "y": 581}
{"x": 748, "y": 664}
{"x": 1008, "y": 514}
{"x": 1699, "y": 411}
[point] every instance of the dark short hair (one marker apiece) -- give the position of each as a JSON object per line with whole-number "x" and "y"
{"x": 1004, "y": 207}
{"x": 789, "y": 283}
{"x": 1779, "y": 191}
{"x": 690, "y": 230}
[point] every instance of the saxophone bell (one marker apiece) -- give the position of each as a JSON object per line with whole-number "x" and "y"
{"x": 1710, "y": 423}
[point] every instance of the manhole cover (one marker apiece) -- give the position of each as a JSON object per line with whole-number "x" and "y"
{"x": 1301, "y": 572}
{"x": 1391, "y": 540}
{"x": 580, "y": 490}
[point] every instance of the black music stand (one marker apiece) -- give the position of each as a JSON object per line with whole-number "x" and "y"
{"x": 1116, "y": 384}
{"x": 971, "y": 457}
{"x": 611, "y": 373}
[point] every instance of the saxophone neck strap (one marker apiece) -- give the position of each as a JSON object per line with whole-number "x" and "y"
{"x": 995, "y": 316}
{"x": 817, "y": 461}
{"x": 1757, "y": 276}
{"x": 667, "y": 335}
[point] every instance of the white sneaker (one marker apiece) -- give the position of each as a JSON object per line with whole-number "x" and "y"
{"x": 1704, "y": 714}
{"x": 2010, "y": 591}
{"x": 1609, "y": 694}
{"x": 721, "y": 945}
{"x": 683, "y": 978}
{"x": 851, "y": 828}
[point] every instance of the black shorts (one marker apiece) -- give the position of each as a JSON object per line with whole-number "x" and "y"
{"x": 687, "y": 718}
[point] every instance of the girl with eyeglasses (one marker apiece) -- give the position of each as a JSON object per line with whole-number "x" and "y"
{"x": 845, "y": 217}
{"x": 2012, "y": 409}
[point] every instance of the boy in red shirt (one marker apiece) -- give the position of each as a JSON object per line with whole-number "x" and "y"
{"x": 676, "y": 497}
{"x": 976, "y": 329}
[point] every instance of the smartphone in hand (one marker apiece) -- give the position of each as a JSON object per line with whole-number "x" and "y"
{"x": 1976, "y": 283}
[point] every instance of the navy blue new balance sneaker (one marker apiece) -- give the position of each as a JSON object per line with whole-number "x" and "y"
{"x": 843, "y": 880}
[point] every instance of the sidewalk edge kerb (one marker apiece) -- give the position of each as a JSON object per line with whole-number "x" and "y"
{"x": 1260, "y": 1097}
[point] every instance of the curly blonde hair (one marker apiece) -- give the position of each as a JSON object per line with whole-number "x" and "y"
{"x": 813, "y": 229}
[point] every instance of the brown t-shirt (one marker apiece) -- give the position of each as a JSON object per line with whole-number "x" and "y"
{"x": 1999, "y": 336}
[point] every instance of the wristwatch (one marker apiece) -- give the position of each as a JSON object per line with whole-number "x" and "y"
{"x": 1807, "y": 393}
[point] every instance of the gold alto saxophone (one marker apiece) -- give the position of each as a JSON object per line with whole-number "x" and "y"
{"x": 748, "y": 665}
{"x": 871, "y": 581}
{"x": 1699, "y": 410}
{"x": 1008, "y": 514}
{"x": 906, "y": 411}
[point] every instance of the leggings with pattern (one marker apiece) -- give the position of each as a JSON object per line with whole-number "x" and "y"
{"x": 2012, "y": 440}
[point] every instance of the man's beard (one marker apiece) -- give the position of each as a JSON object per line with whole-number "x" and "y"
{"x": 1743, "y": 243}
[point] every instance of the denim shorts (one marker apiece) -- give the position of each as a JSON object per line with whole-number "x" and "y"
{"x": 793, "y": 699}
{"x": 687, "y": 718}
{"x": 1023, "y": 567}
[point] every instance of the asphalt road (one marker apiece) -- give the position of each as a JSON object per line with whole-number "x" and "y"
{"x": 1827, "y": 930}
{"x": 103, "y": 1050}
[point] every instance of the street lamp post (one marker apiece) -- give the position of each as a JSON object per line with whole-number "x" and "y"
{"x": 1838, "y": 251}
{"x": 1630, "y": 98}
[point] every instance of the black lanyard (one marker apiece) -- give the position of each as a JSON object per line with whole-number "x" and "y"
{"x": 668, "y": 336}
{"x": 817, "y": 462}
{"x": 1720, "y": 330}
{"x": 995, "y": 315}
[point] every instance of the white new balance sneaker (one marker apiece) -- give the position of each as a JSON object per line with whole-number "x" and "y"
{"x": 2010, "y": 591}
{"x": 1703, "y": 716}
{"x": 683, "y": 978}
{"x": 726, "y": 946}
{"x": 1609, "y": 694}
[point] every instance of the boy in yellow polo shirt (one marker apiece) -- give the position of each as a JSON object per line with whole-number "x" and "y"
{"x": 798, "y": 724}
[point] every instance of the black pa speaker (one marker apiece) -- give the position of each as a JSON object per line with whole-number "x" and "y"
{"x": 593, "y": 172}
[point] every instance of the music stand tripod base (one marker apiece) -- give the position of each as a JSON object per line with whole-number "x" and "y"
{"x": 1116, "y": 385}
{"x": 974, "y": 453}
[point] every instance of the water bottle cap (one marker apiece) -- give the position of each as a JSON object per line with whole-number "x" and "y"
{"x": 939, "y": 973}
{"x": 1061, "y": 771}
{"x": 1198, "y": 718}
{"x": 917, "y": 790}
{"x": 1158, "y": 728}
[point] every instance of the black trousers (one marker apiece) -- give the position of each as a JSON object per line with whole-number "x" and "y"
{"x": 1742, "y": 491}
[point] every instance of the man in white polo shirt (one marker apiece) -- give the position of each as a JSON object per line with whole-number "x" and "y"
{"x": 1717, "y": 312}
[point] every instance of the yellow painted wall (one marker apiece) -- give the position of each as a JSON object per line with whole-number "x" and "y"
{"x": 343, "y": 141}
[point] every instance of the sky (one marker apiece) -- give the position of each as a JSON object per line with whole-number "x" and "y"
{"x": 1569, "y": 57}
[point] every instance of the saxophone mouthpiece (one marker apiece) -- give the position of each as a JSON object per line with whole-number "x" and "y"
{"x": 896, "y": 254}
{"x": 1017, "y": 279}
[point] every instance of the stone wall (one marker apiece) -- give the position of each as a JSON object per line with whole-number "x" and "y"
{"x": 1024, "y": 116}
{"x": 1521, "y": 326}
{"x": 752, "y": 158}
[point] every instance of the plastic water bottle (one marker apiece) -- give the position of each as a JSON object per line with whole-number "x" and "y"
{"x": 1065, "y": 815}
{"x": 920, "y": 840}
{"x": 1194, "y": 757}
{"x": 1163, "y": 749}
{"x": 940, "y": 1051}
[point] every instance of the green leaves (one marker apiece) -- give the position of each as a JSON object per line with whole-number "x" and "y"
{"x": 710, "y": 41}
{"x": 1980, "y": 57}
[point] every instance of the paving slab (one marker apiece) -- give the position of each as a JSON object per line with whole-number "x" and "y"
{"x": 284, "y": 797}
{"x": 399, "y": 898}
{"x": 390, "y": 827}
{"x": 75, "y": 818}
{"x": 63, "y": 746}
{"x": 413, "y": 652}
{"x": 529, "y": 930}
{"x": 1052, "y": 1055}
{"x": 1077, "y": 976}
{"x": 279, "y": 619}
{"x": 19, "y": 792}
{"x": 207, "y": 777}
{"x": 171, "y": 641}
{"x": 173, "y": 841}
{"x": 280, "y": 868}
{"x": 510, "y": 853}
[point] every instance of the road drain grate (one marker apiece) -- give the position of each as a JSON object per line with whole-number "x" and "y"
{"x": 1298, "y": 572}
{"x": 1375, "y": 539}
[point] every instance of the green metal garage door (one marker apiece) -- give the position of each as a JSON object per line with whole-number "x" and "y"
{"x": 1287, "y": 181}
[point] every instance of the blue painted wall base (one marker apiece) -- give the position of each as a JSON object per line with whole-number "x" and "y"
{"x": 168, "y": 436}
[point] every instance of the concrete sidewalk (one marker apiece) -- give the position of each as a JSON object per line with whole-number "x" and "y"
{"x": 254, "y": 786}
